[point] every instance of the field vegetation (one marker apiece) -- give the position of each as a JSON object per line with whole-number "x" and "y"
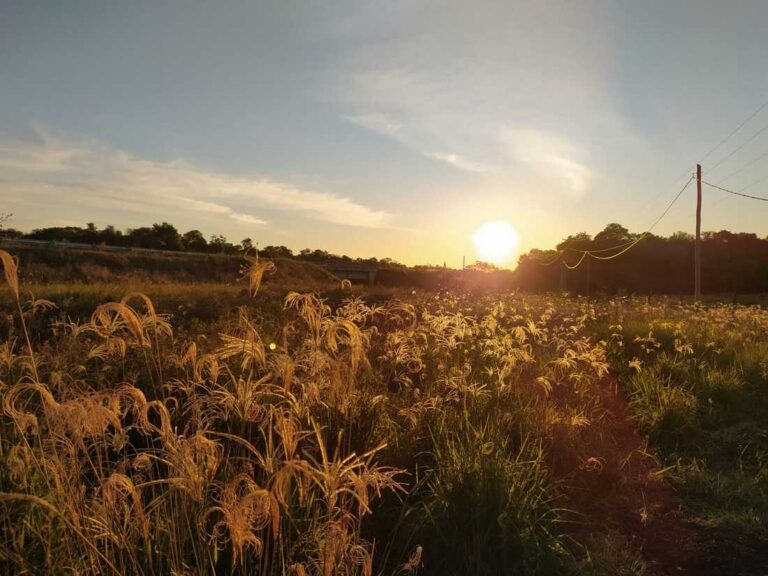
{"x": 281, "y": 432}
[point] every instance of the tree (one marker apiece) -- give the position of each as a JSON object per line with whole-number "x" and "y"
{"x": 194, "y": 241}
{"x": 143, "y": 237}
{"x": 612, "y": 235}
{"x": 580, "y": 241}
{"x": 482, "y": 267}
{"x": 681, "y": 237}
{"x": 276, "y": 252}
{"x": 8, "y": 232}
{"x": 111, "y": 237}
{"x": 217, "y": 243}
{"x": 246, "y": 245}
{"x": 168, "y": 237}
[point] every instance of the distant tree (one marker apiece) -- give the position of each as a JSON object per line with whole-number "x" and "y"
{"x": 194, "y": 241}
{"x": 91, "y": 234}
{"x": 144, "y": 237}
{"x": 11, "y": 233}
{"x": 276, "y": 252}
{"x": 580, "y": 241}
{"x": 612, "y": 235}
{"x": 217, "y": 243}
{"x": 8, "y": 232}
{"x": 246, "y": 245}
{"x": 390, "y": 263}
{"x": 681, "y": 237}
{"x": 168, "y": 238}
{"x": 111, "y": 237}
{"x": 482, "y": 266}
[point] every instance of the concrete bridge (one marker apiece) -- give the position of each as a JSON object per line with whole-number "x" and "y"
{"x": 353, "y": 272}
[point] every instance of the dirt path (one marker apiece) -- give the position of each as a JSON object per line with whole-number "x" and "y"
{"x": 613, "y": 484}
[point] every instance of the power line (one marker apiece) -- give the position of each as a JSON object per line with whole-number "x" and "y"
{"x": 648, "y": 231}
{"x": 647, "y": 204}
{"x": 550, "y": 262}
{"x": 577, "y": 263}
{"x": 739, "y": 127}
{"x": 755, "y": 135}
{"x": 744, "y": 167}
{"x": 624, "y": 247}
{"x": 748, "y": 186}
{"x": 644, "y": 234}
{"x": 734, "y": 192}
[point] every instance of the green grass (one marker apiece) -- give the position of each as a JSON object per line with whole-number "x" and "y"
{"x": 702, "y": 399}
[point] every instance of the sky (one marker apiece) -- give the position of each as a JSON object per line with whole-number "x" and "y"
{"x": 381, "y": 128}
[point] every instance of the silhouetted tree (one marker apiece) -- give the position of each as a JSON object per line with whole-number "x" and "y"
{"x": 246, "y": 245}
{"x": 482, "y": 266}
{"x": 276, "y": 252}
{"x": 194, "y": 241}
{"x": 144, "y": 237}
{"x": 217, "y": 243}
{"x": 167, "y": 236}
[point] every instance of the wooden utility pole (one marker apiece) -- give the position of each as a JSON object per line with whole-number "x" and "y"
{"x": 589, "y": 273}
{"x": 697, "y": 247}
{"x": 562, "y": 279}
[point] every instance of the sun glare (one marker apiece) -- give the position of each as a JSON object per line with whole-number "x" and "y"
{"x": 496, "y": 242}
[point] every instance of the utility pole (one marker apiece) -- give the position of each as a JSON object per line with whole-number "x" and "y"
{"x": 697, "y": 247}
{"x": 562, "y": 279}
{"x": 589, "y": 273}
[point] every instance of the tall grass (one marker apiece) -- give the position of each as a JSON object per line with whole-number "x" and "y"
{"x": 354, "y": 438}
{"x": 696, "y": 377}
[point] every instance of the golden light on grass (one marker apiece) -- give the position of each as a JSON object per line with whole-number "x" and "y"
{"x": 496, "y": 242}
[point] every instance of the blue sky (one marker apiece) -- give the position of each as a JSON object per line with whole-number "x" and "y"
{"x": 378, "y": 128}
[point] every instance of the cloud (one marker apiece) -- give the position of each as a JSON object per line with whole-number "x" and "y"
{"x": 220, "y": 210}
{"x": 550, "y": 156}
{"x": 446, "y": 83}
{"x": 53, "y": 171}
{"x": 381, "y": 123}
{"x": 458, "y": 161}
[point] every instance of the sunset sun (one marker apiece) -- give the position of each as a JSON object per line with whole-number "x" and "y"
{"x": 496, "y": 242}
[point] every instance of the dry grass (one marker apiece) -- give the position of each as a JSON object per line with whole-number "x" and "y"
{"x": 402, "y": 438}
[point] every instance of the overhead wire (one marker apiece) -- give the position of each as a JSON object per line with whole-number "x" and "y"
{"x": 744, "y": 167}
{"x": 739, "y": 127}
{"x": 647, "y": 232}
{"x": 738, "y": 148}
{"x": 735, "y": 192}
{"x": 623, "y": 247}
{"x": 724, "y": 140}
{"x": 573, "y": 267}
{"x": 626, "y": 246}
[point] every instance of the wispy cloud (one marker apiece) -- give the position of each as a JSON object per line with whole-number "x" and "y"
{"x": 550, "y": 156}
{"x": 448, "y": 90}
{"x": 89, "y": 174}
{"x": 219, "y": 210}
{"x": 458, "y": 161}
{"x": 381, "y": 123}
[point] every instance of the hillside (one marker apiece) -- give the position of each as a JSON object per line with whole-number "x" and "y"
{"x": 51, "y": 264}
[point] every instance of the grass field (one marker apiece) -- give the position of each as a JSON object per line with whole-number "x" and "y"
{"x": 242, "y": 429}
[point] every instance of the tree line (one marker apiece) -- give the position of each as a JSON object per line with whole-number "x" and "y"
{"x": 731, "y": 263}
{"x": 165, "y": 236}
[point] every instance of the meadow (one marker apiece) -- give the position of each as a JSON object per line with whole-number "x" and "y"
{"x": 235, "y": 428}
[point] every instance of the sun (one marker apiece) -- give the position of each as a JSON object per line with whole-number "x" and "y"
{"x": 496, "y": 242}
